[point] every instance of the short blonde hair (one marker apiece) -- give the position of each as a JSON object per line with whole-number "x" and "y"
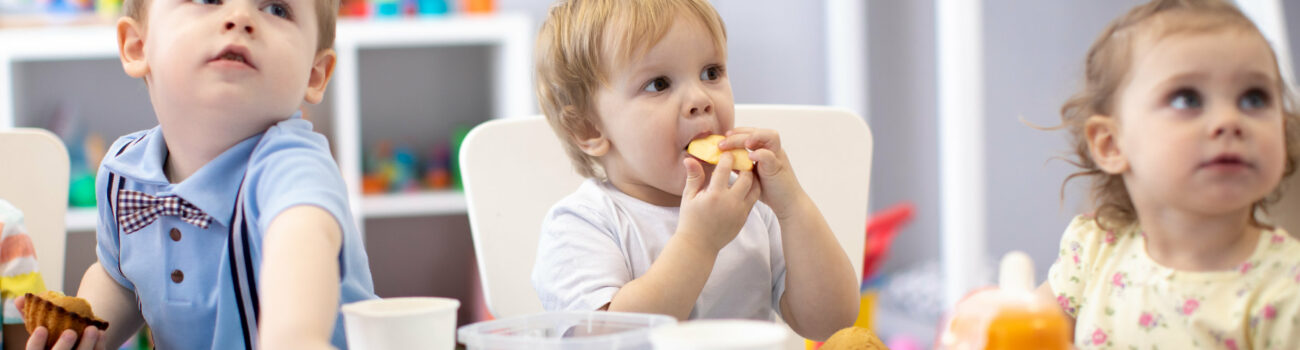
{"x": 326, "y": 15}
{"x": 1106, "y": 67}
{"x": 572, "y": 60}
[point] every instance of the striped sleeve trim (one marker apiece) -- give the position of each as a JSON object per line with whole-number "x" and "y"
{"x": 18, "y": 267}
{"x": 16, "y": 246}
{"x": 13, "y": 286}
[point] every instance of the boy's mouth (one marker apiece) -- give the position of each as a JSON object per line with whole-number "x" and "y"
{"x": 1228, "y": 160}
{"x": 235, "y": 53}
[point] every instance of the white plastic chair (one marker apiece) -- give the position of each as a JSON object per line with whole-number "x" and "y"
{"x": 514, "y": 170}
{"x": 34, "y": 178}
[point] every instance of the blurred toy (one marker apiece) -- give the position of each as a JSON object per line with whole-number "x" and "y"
{"x": 903, "y": 342}
{"x": 1011, "y": 316}
{"x": 881, "y": 229}
{"x": 85, "y": 149}
{"x": 390, "y": 169}
{"x": 402, "y": 171}
{"x": 354, "y": 8}
{"x": 373, "y": 180}
{"x": 478, "y": 6}
{"x": 108, "y": 9}
{"x": 437, "y": 174}
{"x": 433, "y": 7}
{"x": 457, "y": 138}
{"x": 387, "y": 8}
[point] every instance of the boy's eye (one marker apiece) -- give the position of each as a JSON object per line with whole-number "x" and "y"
{"x": 207, "y": 2}
{"x": 1253, "y": 99}
{"x": 657, "y": 85}
{"x": 711, "y": 73}
{"x": 1185, "y": 99}
{"x": 275, "y": 9}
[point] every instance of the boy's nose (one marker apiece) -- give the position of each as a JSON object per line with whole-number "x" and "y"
{"x": 232, "y": 25}
{"x": 239, "y": 19}
{"x": 698, "y": 103}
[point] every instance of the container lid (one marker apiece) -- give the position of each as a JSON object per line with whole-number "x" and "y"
{"x": 564, "y": 328}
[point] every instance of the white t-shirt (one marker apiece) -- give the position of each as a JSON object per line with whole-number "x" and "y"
{"x": 598, "y": 239}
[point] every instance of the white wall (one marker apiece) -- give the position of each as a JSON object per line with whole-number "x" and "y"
{"x": 776, "y": 48}
{"x": 1034, "y": 62}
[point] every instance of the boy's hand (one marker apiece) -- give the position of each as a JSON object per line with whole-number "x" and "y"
{"x": 713, "y": 212}
{"x": 781, "y": 189}
{"x": 94, "y": 338}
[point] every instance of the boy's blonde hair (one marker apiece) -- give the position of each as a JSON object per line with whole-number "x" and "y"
{"x": 326, "y": 15}
{"x": 579, "y": 45}
{"x": 1107, "y": 64}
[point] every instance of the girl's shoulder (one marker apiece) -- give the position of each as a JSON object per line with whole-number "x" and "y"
{"x": 1086, "y": 231}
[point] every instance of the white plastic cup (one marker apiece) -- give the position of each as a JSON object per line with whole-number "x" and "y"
{"x": 401, "y": 323}
{"x": 720, "y": 335}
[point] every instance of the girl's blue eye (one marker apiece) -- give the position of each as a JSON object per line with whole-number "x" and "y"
{"x": 207, "y": 2}
{"x": 1253, "y": 99}
{"x": 278, "y": 10}
{"x": 711, "y": 73}
{"x": 1185, "y": 99}
{"x": 657, "y": 85}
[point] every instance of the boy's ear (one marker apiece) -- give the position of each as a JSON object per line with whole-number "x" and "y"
{"x": 593, "y": 144}
{"x": 1102, "y": 134}
{"x": 130, "y": 47}
{"x": 322, "y": 69}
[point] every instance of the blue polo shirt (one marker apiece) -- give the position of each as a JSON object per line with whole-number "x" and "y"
{"x": 180, "y": 273}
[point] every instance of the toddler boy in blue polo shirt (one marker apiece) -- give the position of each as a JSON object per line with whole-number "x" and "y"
{"x": 227, "y": 225}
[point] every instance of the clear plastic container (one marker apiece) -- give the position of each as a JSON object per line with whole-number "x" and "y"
{"x": 564, "y": 330}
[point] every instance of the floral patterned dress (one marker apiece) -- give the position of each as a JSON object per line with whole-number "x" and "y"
{"x": 1121, "y": 299}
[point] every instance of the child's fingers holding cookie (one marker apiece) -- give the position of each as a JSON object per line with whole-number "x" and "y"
{"x": 751, "y": 138}
{"x": 694, "y": 178}
{"x": 722, "y": 173}
{"x": 767, "y": 162}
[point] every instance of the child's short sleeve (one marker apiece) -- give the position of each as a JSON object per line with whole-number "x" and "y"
{"x": 107, "y": 245}
{"x": 579, "y": 264}
{"x": 295, "y": 168}
{"x": 18, "y": 270}
{"x": 1274, "y": 320}
{"x": 1277, "y": 324}
{"x": 777, "y": 251}
{"x": 1074, "y": 263}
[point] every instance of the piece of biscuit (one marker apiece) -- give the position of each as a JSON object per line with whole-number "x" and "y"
{"x": 706, "y": 149}
{"x": 57, "y": 313}
{"x": 854, "y": 338}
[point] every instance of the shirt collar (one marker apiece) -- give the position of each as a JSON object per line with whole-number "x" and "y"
{"x": 212, "y": 188}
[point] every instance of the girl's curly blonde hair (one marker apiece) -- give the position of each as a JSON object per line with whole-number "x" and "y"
{"x": 1106, "y": 66}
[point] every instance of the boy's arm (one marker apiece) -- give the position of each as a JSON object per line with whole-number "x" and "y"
{"x": 111, "y": 302}
{"x": 821, "y": 288}
{"x": 300, "y": 279}
{"x": 672, "y": 284}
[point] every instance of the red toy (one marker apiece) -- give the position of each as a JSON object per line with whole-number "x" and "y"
{"x": 881, "y": 229}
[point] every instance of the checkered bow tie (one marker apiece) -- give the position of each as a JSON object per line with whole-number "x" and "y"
{"x": 135, "y": 210}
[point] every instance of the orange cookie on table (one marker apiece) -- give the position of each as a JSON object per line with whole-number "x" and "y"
{"x": 706, "y": 149}
{"x": 854, "y": 338}
{"x": 58, "y": 312}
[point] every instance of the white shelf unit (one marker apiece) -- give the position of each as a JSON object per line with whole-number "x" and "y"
{"x": 506, "y": 38}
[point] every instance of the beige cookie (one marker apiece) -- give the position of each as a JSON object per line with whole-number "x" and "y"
{"x": 854, "y": 338}
{"x": 706, "y": 149}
